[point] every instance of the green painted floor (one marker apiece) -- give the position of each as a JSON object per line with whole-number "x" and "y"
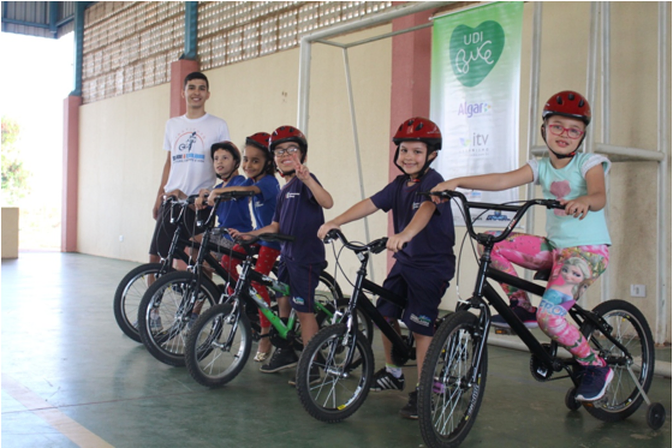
{"x": 70, "y": 377}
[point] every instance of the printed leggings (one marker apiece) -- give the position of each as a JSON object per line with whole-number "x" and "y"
{"x": 573, "y": 270}
{"x": 265, "y": 261}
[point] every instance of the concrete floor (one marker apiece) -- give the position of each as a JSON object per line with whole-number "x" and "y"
{"x": 71, "y": 378}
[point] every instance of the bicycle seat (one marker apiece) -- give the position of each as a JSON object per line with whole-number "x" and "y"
{"x": 544, "y": 275}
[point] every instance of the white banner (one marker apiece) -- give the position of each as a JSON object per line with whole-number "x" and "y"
{"x": 475, "y": 97}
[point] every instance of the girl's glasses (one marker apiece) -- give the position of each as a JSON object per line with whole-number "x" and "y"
{"x": 281, "y": 152}
{"x": 572, "y": 133}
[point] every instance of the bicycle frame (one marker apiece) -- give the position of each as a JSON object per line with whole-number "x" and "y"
{"x": 363, "y": 284}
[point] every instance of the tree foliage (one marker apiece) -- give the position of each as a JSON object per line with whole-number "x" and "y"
{"x": 14, "y": 175}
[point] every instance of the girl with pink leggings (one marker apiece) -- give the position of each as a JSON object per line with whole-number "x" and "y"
{"x": 576, "y": 248}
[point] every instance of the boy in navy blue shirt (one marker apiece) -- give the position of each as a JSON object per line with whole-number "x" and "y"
{"x": 422, "y": 242}
{"x": 299, "y": 213}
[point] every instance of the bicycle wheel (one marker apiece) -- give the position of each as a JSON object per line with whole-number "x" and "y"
{"x": 129, "y": 293}
{"x": 341, "y": 389}
{"x": 218, "y": 345}
{"x": 629, "y": 328}
{"x": 448, "y": 401}
{"x": 164, "y": 314}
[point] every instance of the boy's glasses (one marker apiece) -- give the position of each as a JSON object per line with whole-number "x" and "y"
{"x": 281, "y": 152}
{"x": 572, "y": 133}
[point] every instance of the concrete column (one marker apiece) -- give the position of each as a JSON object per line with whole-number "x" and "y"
{"x": 178, "y": 70}
{"x": 70, "y": 173}
{"x": 411, "y": 70}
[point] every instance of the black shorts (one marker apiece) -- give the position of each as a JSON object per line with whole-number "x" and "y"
{"x": 424, "y": 291}
{"x": 164, "y": 229}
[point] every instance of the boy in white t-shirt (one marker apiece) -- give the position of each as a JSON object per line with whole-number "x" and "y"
{"x": 188, "y": 167}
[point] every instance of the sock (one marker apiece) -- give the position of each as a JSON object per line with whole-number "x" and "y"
{"x": 394, "y": 370}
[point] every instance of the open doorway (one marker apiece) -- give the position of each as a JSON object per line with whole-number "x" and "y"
{"x": 36, "y": 77}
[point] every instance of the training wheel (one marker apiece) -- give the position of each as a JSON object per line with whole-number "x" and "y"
{"x": 655, "y": 416}
{"x": 570, "y": 400}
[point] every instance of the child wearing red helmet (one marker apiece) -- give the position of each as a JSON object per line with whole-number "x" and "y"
{"x": 259, "y": 168}
{"x": 299, "y": 213}
{"x": 576, "y": 248}
{"x": 423, "y": 246}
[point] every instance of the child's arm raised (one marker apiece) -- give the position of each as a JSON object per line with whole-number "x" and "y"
{"x": 488, "y": 182}
{"x": 321, "y": 195}
{"x": 357, "y": 211}
{"x": 596, "y": 198}
{"x": 421, "y": 218}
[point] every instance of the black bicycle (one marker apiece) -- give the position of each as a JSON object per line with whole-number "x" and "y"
{"x": 171, "y": 306}
{"x": 219, "y": 342}
{"x": 454, "y": 373}
{"x": 341, "y": 354}
{"x": 135, "y": 283}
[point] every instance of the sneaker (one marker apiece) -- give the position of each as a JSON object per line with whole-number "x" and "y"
{"x": 527, "y": 317}
{"x": 410, "y": 411}
{"x": 594, "y": 383}
{"x": 384, "y": 380}
{"x": 155, "y": 324}
{"x": 282, "y": 359}
{"x": 313, "y": 378}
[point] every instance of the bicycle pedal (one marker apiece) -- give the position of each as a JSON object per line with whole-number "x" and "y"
{"x": 504, "y": 331}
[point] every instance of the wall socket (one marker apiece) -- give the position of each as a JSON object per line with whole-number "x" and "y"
{"x": 637, "y": 291}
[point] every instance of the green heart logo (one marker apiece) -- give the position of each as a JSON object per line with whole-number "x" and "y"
{"x": 474, "y": 52}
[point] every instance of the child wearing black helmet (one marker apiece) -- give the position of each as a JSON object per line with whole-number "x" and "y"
{"x": 576, "y": 248}
{"x": 299, "y": 213}
{"x": 422, "y": 242}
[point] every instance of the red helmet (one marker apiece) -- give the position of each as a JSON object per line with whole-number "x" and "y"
{"x": 568, "y": 104}
{"x": 421, "y": 130}
{"x": 288, "y": 134}
{"x": 259, "y": 140}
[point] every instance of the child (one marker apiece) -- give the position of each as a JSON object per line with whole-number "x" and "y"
{"x": 236, "y": 214}
{"x": 299, "y": 213}
{"x": 426, "y": 264}
{"x": 260, "y": 170}
{"x": 576, "y": 250}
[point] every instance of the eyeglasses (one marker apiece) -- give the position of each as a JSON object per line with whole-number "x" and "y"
{"x": 572, "y": 133}
{"x": 281, "y": 152}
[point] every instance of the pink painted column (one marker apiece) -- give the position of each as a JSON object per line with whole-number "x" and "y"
{"x": 411, "y": 70}
{"x": 70, "y": 173}
{"x": 178, "y": 70}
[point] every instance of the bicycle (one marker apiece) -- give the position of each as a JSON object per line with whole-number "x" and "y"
{"x": 341, "y": 354}
{"x": 178, "y": 298}
{"x": 454, "y": 373}
{"x": 134, "y": 284}
{"x": 219, "y": 343}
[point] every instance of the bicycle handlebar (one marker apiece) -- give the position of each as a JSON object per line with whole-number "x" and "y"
{"x": 270, "y": 237}
{"x": 375, "y": 246}
{"x": 519, "y": 210}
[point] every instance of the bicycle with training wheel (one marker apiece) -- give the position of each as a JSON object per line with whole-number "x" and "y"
{"x": 134, "y": 284}
{"x": 335, "y": 371}
{"x": 453, "y": 379}
{"x": 220, "y": 340}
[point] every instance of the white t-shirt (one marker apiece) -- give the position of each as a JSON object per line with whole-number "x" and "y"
{"x": 189, "y": 143}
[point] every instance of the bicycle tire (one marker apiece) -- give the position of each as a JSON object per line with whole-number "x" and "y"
{"x": 341, "y": 390}
{"x": 169, "y": 297}
{"x": 218, "y": 345}
{"x": 129, "y": 294}
{"x": 447, "y": 403}
{"x": 630, "y": 328}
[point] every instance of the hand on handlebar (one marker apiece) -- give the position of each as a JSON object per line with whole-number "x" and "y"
{"x": 577, "y": 208}
{"x": 446, "y": 185}
{"x": 397, "y": 242}
{"x": 325, "y": 228}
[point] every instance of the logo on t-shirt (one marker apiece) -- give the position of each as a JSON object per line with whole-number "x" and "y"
{"x": 191, "y": 145}
{"x": 416, "y": 205}
{"x": 292, "y": 195}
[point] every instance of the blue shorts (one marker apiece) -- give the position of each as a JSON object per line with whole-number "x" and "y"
{"x": 302, "y": 280}
{"x": 423, "y": 290}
